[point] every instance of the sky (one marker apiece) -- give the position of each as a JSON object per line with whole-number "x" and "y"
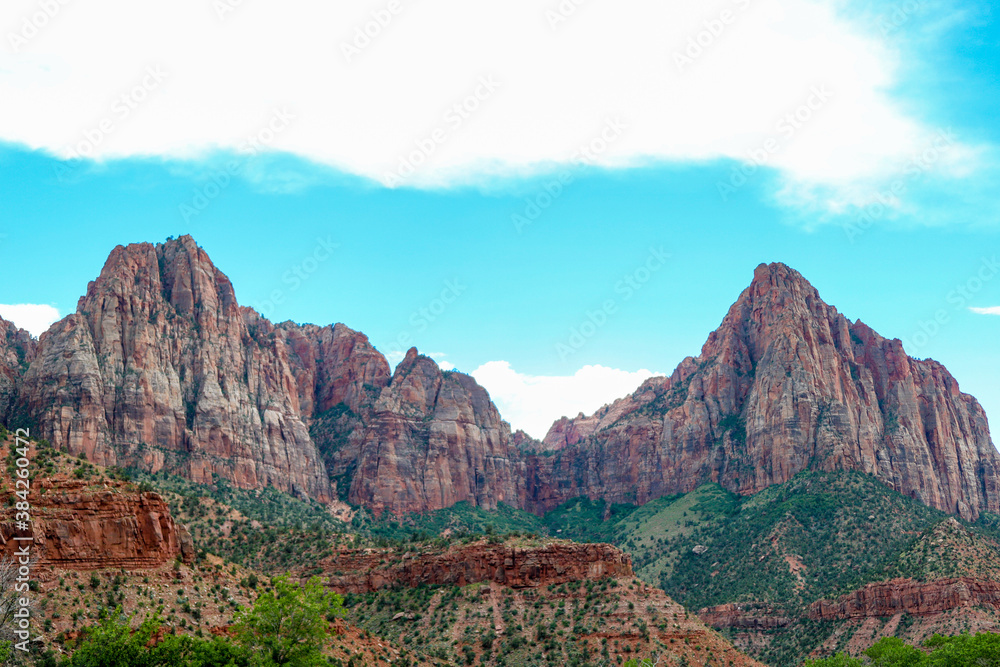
{"x": 561, "y": 198}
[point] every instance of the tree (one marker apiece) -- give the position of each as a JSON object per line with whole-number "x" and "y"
{"x": 113, "y": 643}
{"x": 964, "y": 649}
{"x": 839, "y": 660}
{"x": 289, "y": 625}
{"x": 894, "y": 652}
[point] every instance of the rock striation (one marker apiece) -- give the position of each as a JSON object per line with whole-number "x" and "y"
{"x": 161, "y": 369}
{"x": 158, "y": 368}
{"x": 785, "y": 384}
{"x": 436, "y": 439}
{"x": 17, "y": 350}
{"x": 918, "y": 598}
{"x": 366, "y": 570}
{"x": 80, "y": 526}
{"x": 744, "y": 616}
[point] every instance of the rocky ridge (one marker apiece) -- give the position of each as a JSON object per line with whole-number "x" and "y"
{"x": 161, "y": 369}
{"x": 785, "y": 384}
{"x": 366, "y": 570}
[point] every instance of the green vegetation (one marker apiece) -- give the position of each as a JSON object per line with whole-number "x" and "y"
{"x": 113, "y": 643}
{"x": 460, "y": 519}
{"x": 959, "y": 651}
{"x": 818, "y": 535}
{"x": 289, "y": 625}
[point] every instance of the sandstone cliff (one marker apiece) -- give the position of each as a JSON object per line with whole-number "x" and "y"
{"x": 744, "y": 616}
{"x": 158, "y": 368}
{"x": 82, "y": 526}
{"x": 888, "y": 598}
{"x": 785, "y": 384}
{"x": 435, "y": 439}
{"x": 366, "y": 570}
{"x": 17, "y": 350}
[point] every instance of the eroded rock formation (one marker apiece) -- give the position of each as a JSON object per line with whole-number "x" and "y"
{"x": 160, "y": 368}
{"x": 17, "y": 350}
{"x": 785, "y": 384}
{"x": 887, "y": 598}
{"x": 366, "y": 570}
{"x": 82, "y": 526}
{"x": 436, "y": 439}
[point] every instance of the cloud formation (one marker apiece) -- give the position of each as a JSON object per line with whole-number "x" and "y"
{"x": 439, "y": 92}
{"x": 35, "y": 318}
{"x": 533, "y": 402}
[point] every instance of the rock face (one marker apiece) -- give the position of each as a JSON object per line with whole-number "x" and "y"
{"x": 785, "y": 384}
{"x": 79, "y": 526}
{"x": 158, "y": 368}
{"x": 436, "y": 439}
{"x": 743, "y": 616}
{"x": 17, "y": 350}
{"x": 887, "y": 598}
{"x": 366, "y": 570}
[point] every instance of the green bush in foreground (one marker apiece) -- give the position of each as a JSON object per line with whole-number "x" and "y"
{"x": 112, "y": 643}
{"x": 286, "y": 627}
{"x": 958, "y": 651}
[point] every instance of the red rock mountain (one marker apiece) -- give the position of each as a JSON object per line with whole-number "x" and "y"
{"x": 785, "y": 384}
{"x": 160, "y": 368}
{"x": 17, "y": 350}
{"x": 435, "y": 439}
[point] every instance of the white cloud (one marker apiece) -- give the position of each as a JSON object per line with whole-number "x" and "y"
{"x": 224, "y": 76}
{"x": 35, "y": 318}
{"x": 533, "y": 402}
{"x": 992, "y": 310}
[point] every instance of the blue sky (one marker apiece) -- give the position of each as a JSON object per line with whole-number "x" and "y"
{"x": 507, "y": 242}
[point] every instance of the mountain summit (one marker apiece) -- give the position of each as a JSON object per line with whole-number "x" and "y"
{"x": 785, "y": 384}
{"x": 161, "y": 369}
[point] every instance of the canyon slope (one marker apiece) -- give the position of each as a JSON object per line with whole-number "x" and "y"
{"x": 161, "y": 369}
{"x": 786, "y": 384}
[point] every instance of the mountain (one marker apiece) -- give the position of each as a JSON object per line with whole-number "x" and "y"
{"x": 17, "y": 350}
{"x": 436, "y": 439}
{"x": 161, "y": 369}
{"x": 785, "y": 384}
